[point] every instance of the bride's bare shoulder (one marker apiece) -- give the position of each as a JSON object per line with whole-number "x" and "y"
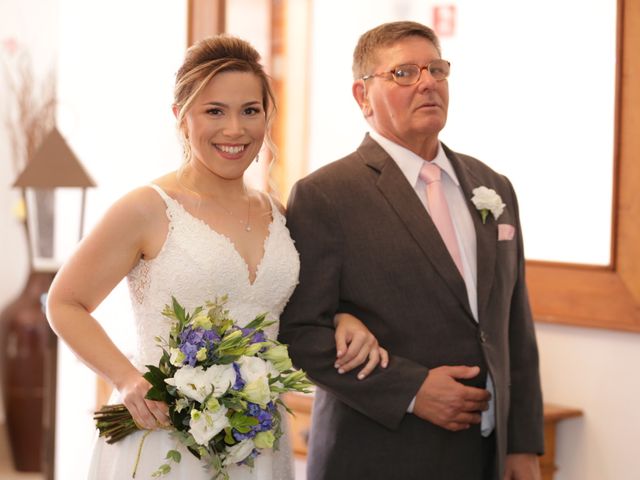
{"x": 145, "y": 203}
{"x": 276, "y": 201}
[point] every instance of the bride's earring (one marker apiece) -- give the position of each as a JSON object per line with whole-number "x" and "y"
{"x": 257, "y": 158}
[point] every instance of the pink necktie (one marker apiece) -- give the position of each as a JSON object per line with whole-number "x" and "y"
{"x": 430, "y": 174}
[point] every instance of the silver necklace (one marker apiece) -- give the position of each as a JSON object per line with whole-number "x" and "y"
{"x": 247, "y": 223}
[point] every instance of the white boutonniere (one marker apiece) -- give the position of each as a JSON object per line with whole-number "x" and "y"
{"x": 487, "y": 200}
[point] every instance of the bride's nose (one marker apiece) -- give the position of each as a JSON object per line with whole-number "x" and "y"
{"x": 234, "y": 126}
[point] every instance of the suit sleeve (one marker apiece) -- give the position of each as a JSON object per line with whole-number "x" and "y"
{"x": 525, "y": 425}
{"x": 307, "y": 322}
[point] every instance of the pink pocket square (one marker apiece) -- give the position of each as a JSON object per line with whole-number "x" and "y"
{"x": 506, "y": 231}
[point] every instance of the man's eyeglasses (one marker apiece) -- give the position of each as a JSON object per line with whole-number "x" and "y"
{"x": 409, "y": 74}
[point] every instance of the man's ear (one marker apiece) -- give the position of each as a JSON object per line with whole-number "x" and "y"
{"x": 359, "y": 92}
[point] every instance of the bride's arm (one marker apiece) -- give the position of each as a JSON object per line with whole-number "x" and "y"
{"x": 356, "y": 345}
{"x": 101, "y": 260}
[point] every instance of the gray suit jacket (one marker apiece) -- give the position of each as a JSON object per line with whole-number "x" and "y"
{"x": 367, "y": 246}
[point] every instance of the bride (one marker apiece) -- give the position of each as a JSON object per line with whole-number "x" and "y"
{"x": 195, "y": 234}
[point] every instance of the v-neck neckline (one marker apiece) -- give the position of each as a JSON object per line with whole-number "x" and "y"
{"x": 229, "y": 241}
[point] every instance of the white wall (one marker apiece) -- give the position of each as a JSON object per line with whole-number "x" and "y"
{"x": 596, "y": 371}
{"x": 116, "y": 69}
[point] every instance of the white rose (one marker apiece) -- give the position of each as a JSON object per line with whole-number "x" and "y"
{"x": 258, "y": 391}
{"x": 197, "y": 383}
{"x": 487, "y": 199}
{"x": 238, "y": 452}
{"x": 252, "y": 368}
{"x": 272, "y": 371}
{"x": 177, "y": 357}
{"x": 207, "y": 424}
{"x": 279, "y": 356}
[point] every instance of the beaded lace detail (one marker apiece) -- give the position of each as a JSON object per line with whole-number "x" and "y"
{"x": 197, "y": 264}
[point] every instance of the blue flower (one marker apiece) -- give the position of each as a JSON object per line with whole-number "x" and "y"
{"x": 211, "y": 336}
{"x": 193, "y": 339}
{"x": 239, "y": 385}
{"x": 256, "y": 336}
{"x": 242, "y": 436}
{"x": 264, "y": 416}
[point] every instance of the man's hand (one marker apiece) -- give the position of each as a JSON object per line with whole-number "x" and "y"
{"x": 522, "y": 466}
{"x": 445, "y": 402}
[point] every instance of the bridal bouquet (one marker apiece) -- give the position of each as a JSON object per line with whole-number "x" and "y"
{"x": 222, "y": 385}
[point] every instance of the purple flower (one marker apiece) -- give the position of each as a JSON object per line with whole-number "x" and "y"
{"x": 240, "y": 383}
{"x": 264, "y": 417}
{"x": 193, "y": 339}
{"x": 242, "y": 436}
{"x": 190, "y": 351}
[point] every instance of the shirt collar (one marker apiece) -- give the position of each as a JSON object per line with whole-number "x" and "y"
{"x": 410, "y": 163}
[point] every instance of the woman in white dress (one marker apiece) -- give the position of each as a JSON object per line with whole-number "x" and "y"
{"x": 195, "y": 234}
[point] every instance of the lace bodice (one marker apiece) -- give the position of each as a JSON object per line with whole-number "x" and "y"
{"x": 197, "y": 264}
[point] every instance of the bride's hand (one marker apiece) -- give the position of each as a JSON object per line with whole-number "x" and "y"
{"x": 355, "y": 345}
{"x": 148, "y": 414}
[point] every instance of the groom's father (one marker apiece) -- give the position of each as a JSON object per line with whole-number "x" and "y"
{"x": 424, "y": 246}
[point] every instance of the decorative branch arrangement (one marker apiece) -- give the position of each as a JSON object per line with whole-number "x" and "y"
{"x": 31, "y": 108}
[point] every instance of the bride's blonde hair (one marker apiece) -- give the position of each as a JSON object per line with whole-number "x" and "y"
{"x": 206, "y": 59}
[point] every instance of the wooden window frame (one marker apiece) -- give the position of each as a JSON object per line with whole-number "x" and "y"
{"x": 606, "y": 297}
{"x": 205, "y": 18}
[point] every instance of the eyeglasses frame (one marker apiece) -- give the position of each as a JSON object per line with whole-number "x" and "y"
{"x": 392, "y": 73}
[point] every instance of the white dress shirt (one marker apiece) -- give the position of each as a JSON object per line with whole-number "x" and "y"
{"x": 410, "y": 165}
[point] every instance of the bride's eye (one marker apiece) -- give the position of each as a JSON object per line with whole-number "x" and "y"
{"x": 214, "y": 111}
{"x": 252, "y": 111}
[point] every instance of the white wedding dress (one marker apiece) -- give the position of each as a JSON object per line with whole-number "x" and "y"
{"x": 197, "y": 264}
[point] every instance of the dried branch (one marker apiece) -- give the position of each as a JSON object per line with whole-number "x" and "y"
{"x": 31, "y": 113}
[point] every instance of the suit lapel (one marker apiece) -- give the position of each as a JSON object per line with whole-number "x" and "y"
{"x": 486, "y": 233}
{"x": 396, "y": 189}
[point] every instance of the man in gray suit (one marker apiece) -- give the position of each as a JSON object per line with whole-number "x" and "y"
{"x": 444, "y": 294}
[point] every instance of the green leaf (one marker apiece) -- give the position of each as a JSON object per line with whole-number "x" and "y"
{"x": 257, "y": 322}
{"x": 158, "y": 390}
{"x": 179, "y": 312}
{"x": 156, "y": 395}
{"x": 228, "y": 437}
{"x": 241, "y": 422}
{"x": 155, "y": 376}
{"x": 174, "y": 455}
{"x": 162, "y": 470}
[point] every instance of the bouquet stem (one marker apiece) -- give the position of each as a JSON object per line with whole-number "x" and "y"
{"x": 114, "y": 422}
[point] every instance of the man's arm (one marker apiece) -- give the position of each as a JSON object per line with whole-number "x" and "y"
{"x": 307, "y": 322}
{"x": 525, "y": 427}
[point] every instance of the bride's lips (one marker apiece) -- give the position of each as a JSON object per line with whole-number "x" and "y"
{"x": 231, "y": 151}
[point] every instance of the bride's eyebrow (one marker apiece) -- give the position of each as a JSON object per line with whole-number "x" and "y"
{"x": 225, "y": 105}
